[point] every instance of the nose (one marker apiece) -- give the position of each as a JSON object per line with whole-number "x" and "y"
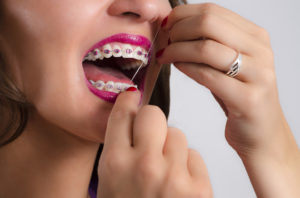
{"x": 139, "y": 10}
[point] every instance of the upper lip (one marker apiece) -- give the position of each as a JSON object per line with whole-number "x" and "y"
{"x": 132, "y": 39}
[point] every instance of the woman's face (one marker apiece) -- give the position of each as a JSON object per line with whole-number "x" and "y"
{"x": 64, "y": 53}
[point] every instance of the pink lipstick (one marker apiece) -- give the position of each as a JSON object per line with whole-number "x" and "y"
{"x": 107, "y": 64}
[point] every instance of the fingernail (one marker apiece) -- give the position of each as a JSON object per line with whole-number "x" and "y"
{"x": 131, "y": 89}
{"x": 169, "y": 42}
{"x": 164, "y": 22}
{"x": 159, "y": 53}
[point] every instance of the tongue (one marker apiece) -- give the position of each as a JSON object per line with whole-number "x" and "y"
{"x": 105, "y": 74}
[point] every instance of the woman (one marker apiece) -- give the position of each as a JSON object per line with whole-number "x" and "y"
{"x": 65, "y": 64}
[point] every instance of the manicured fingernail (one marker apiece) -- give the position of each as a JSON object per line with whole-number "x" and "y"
{"x": 131, "y": 89}
{"x": 159, "y": 53}
{"x": 169, "y": 42}
{"x": 164, "y": 22}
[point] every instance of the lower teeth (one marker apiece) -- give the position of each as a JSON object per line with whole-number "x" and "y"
{"x": 111, "y": 86}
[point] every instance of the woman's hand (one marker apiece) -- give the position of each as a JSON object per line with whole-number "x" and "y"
{"x": 204, "y": 41}
{"x": 143, "y": 158}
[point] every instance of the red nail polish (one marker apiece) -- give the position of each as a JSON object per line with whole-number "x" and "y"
{"x": 164, "y": 22}
{"x": 131, "y": 89}
{"x": 160, "y": 53}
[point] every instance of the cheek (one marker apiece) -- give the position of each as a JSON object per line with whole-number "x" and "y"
{"x": 85, "y": 120}
{"x": 48, "y": 66}
{"x": 63, "y": 98}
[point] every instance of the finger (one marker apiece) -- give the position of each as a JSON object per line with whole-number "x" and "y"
{"x": 185, "y": 11}
{"x": 176, "y": 148}
{"x": 150, "y": 128}
{"x": 196, "y": 165}
{"x": 215, "y": 28}
{"x": 230, "y": 90}
{"x": 120, "y": 123}
{"x": 211, "y": 53}
{"x": 201, "y": 51}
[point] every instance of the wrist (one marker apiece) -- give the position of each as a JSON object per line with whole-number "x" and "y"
{"x": 275, "y": 143}
{"x": 273, "y": 176}
{"x": 274, "y": 168}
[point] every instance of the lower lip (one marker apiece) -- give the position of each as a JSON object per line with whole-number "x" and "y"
{"x": 109, "y": 96}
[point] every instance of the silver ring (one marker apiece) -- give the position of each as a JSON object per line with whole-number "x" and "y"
{"x": 236, "y": 66}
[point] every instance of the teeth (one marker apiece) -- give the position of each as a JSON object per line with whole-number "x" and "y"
{"x": 99, "y": 84}
{"x": 97, "y": 54}
{"x": 89, "y": 56}
{"x": 120, "y": 50}
{"x": 117, "y": 51}
{"x": 127, "y": 51}
{"x": 107, "y": 51}
{"x": 139, "y": 54}
{"x": 111, "y": 86}
{"x": 92, "y": 82}
{"x": 132, "y": 65}
{"x": 119, "y": 86}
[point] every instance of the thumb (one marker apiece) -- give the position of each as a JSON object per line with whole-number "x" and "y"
{"x": 120, "y": 121}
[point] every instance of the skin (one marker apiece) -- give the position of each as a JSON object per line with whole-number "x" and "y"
{"x": 63, "y": 133}
{"x": 256, "y": 127}
{"x": 43, "y": 44}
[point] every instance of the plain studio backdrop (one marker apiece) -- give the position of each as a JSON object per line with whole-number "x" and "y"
{"x": 197, "y": 114}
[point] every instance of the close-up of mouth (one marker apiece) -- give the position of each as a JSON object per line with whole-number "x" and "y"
{"x": 110, "y": 65}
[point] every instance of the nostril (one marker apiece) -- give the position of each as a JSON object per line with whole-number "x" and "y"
{"x": 131, "y": 14}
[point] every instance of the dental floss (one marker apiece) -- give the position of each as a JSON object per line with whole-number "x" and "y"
{"x": 137, "y": 71}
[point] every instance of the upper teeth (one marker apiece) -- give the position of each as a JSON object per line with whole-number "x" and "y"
{"x": 120, "y": 50}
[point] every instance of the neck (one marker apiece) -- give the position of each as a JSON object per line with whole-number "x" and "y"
{"x": 46, "y": 162}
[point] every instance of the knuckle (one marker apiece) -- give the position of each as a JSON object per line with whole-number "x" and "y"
{"x": 204, "y": 47}
{"x": 204, "y": 23}
{"x": 205, "y": 76}
{"x": 202, "y": 189}
{"x": 176, "y": 186}
{"x": 268, "y": 54}
{"x": 194, "y": 152}
{"x": 147, "y": 168}
{"x": 153, "y": 110}
{"x": 265, "y": 54}
{"x": 115, "y": 163}
{"x": 178, "y": 134}
{"x": 264, "y": 34}
{"x": 174, "y": 130}
{"x": 265, "y": 64}
{"x": 209, "y": 7}
{"x": 268, "y": 77}
{"x": 203, "y": 193}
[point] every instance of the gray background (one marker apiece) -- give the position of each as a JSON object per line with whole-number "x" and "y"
{"x": 195, "y": 112}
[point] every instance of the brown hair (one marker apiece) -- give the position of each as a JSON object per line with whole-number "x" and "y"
{"x": 13, "y": 106}
{"x": 14, "y": 109}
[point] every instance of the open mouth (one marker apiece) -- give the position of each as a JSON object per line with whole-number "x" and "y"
{"x": 110, "y": 65}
